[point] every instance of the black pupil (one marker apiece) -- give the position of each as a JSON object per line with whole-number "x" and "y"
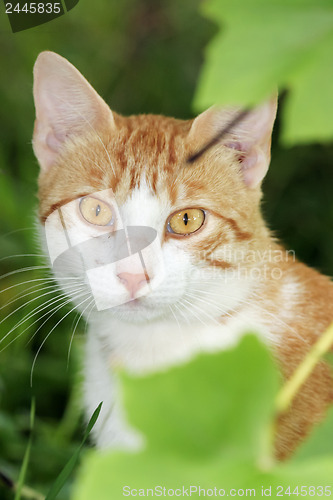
{"x": 98, "y": 209}
{"x": 185, "y": 219}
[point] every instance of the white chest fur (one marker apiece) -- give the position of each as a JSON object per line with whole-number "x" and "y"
{"x": 141, "y": 348}
{"x": 146, "y": 348}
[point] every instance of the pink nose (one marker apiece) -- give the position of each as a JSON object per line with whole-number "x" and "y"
{"x": 133, "y": 282}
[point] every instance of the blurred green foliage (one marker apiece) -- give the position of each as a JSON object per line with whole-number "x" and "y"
{"x": 284, "y": 43}
{"x": 141, "y": 56}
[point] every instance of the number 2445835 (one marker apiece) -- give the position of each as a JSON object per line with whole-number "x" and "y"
{"x": 34, "y": 8}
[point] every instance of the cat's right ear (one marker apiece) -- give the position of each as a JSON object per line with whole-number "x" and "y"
{"x": 250, "y": 137}
{"x": 66, "y": 106}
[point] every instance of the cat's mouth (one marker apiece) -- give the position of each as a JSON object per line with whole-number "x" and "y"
{"x": 137, "y": 309}
{"x": 135, "y": 303}
{"x": 138, "y": 303}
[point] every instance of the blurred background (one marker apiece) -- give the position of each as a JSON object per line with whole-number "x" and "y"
{"x": 142, "y": 56}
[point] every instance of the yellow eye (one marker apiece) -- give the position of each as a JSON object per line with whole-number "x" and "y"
{"x": 186, "y": 221}
{"x": 95, "y": 211}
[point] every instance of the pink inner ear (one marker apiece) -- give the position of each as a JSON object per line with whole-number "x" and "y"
{"x": 251, "y": 159}
{"x": 240, "y": 146}
{"x": 244, "y": 153}
{"x": 249, "y": 138}
{"x": 55, "y": 141}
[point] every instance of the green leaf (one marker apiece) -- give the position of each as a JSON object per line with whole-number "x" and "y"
{"x": 181, "y": 417}
{"x": 307, "y": 115}
{"x": 225, "y": 395}
{"x": 261, "y": 45}
{"x": 210, "y": 417}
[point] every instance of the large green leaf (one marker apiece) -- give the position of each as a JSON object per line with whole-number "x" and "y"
{"x": 207, "y": 424}
{"x": 265, "y": 44}
{"x": 213, "y": 412}
{"x": 193, "y": 410}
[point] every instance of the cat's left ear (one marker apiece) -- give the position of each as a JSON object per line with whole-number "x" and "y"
{"x": 250, "y": 138}
{"x": 66, "y": 105}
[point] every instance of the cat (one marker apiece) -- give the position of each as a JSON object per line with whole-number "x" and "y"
{"x": 212, "y": 269}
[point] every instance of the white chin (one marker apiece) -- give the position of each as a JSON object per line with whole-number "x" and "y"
{"x": 135, "y": 311}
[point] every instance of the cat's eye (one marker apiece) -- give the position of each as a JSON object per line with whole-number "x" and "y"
{"x": 96, "y": 211}
{"x": 186, "y": 221}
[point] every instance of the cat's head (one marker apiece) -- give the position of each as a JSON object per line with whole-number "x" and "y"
{"x": 129, "y": 219}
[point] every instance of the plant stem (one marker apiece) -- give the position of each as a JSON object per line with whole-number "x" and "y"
{"x": 292, "y": 386}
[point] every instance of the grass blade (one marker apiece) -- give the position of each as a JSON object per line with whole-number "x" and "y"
{"x": 67, "y": 470}
{"x": 26, "y": 458}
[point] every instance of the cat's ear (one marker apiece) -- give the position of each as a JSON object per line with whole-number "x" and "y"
{"x": 66, "y": 106}
{"x": 250, "y": 138}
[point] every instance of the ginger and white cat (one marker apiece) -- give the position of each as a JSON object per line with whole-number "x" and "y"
{"x": 217, "y": 272}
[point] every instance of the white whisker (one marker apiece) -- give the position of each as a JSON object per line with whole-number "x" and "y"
{"x": 34, "y": 289}
{"x": 190, "y": 296}
{"x": 32, "y": 228}
{"x": 47, "y": 336}
{"x": 22, "y": 255}
{"x": 181, "y": 312}
{"x": 52, "y": 311}
{"x": 26, "y": 303}
{"x": 91, "y": 303}
{"x": 253, "y": 304}
{"x": 25, "y": 269}
{"x": 191, "y": 311}
{"x": 173, "y": 314}
{"x": 37, "y": 310}
{"x": 47, "y": 279}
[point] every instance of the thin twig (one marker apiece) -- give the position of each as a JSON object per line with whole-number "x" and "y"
{"x": 292, "y": 386}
